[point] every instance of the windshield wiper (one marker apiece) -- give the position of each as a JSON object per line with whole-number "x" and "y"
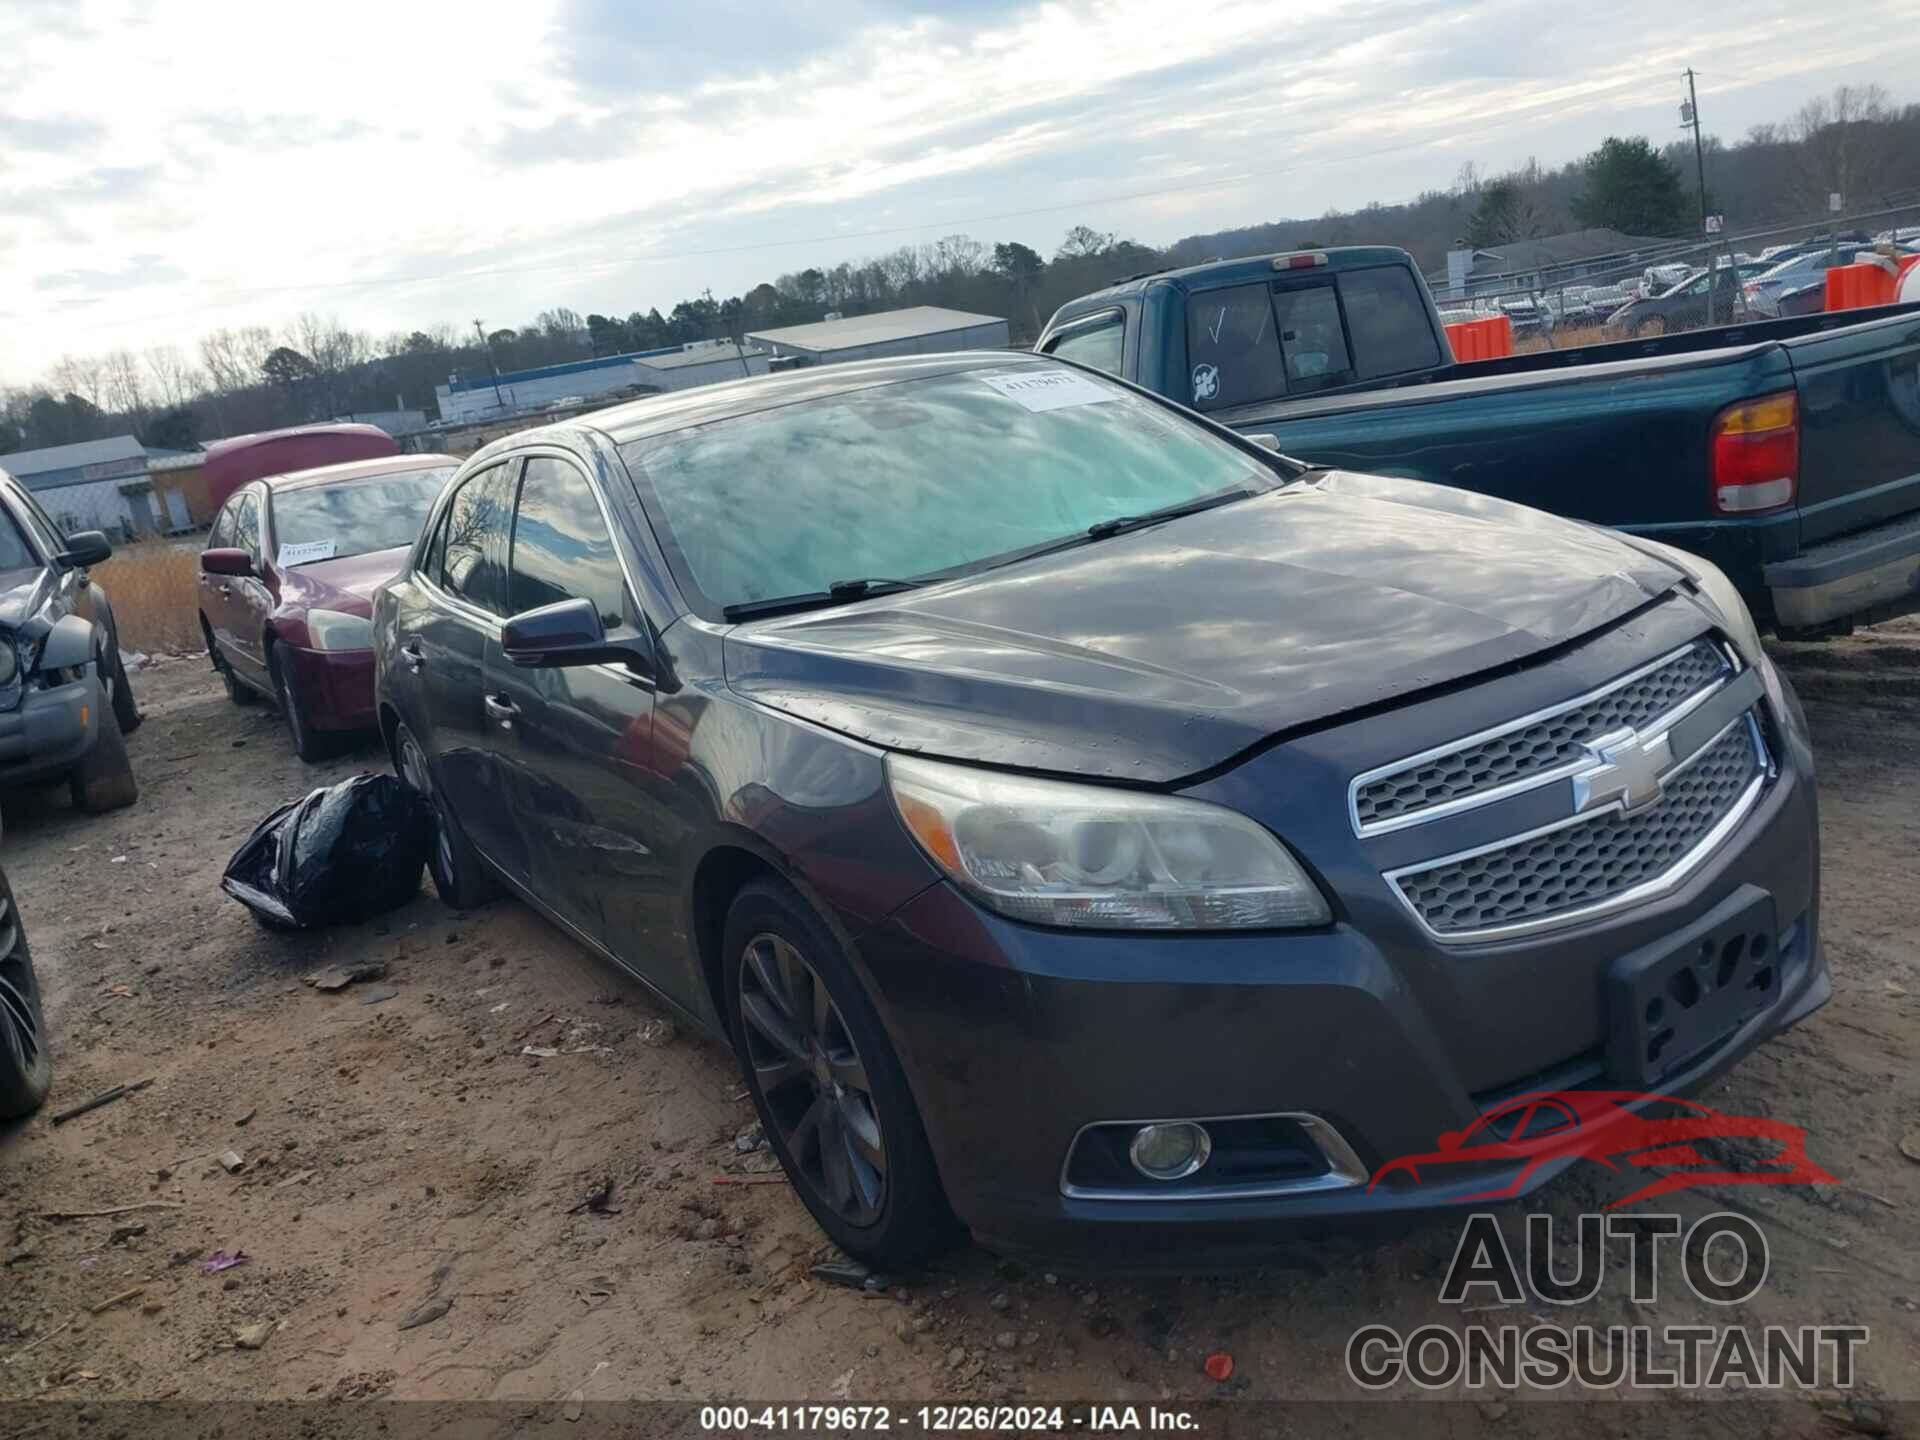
{"x": 834, "y": 594}
{"x": 1120, "y": 524}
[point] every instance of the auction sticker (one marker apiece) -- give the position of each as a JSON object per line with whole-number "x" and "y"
{"x": 1041, "y": 390}
{"x": 304, "y": 552}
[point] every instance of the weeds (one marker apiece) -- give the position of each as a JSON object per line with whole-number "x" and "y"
{"x": 151, "y": 586}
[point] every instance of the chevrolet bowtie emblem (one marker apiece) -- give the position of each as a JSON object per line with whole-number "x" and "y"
{"x": 1624, "y": 769}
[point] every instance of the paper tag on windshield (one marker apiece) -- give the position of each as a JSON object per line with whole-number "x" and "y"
{"x": 291, "y": 555}
{"x": 1040, "y": 390}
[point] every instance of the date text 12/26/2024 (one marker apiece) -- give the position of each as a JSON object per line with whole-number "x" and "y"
{"x": 947, "y": 1419}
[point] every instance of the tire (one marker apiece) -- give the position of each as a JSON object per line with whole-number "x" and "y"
{"x": 238, "y": 692}
{"x": 459, "y": 874}
{"x": 126, "y": 714}
{"x": 309, "y": 744}
{"x": 801, "y": 1022}
{"x": 103, "y": 780}
{"x": 26, "y": 1069}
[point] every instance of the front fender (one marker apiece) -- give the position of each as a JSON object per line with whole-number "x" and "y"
{"x": 70, "y": 644}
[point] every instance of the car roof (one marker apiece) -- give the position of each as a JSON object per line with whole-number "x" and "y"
{"x": 321, "y": 475}
{"x": 680, "y": 409}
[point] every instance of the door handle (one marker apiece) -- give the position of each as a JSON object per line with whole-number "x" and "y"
{"x": 501, "y": 710}
{"x": 410, "y": 652}
{"x": 226, "y": 589}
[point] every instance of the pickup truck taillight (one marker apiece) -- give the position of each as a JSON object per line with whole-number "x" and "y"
{"x": 1756, "y": 454}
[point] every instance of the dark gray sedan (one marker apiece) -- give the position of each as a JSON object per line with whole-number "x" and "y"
{"x": 1082, "y": 822}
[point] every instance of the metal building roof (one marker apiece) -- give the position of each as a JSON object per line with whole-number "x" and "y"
{"x": 874, "y": 329}
{"x": 704, "y": 355}
{"x": 22, "y": 463}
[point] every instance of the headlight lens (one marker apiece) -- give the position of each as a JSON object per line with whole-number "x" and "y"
{"x": 335, "y": 630}
{"x": 1085, "y": 856}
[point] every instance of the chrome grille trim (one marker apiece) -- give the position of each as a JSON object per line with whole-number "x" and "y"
{"x": 1668, "y": 879}
{"x": 1367, "y": 828}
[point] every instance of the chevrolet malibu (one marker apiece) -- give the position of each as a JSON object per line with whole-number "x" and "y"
{"x": 285, "y": 579}
{"x": 1087, "y": 826}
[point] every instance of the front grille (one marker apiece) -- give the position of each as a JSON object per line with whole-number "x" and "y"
{"x": 1591, "y": 861}
{"x": 1537, "y": 747}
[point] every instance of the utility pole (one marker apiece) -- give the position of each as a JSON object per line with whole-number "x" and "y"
{"x": 1692, "y": 117}
{"x": 492, "y": 368}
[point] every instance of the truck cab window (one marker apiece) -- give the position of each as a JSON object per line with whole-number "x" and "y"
{"x": 1388, "y": 323}
{"x": 1233, "y": 348}
{"x": 1097, "y": 344}
{"x": 1311, "y": 337}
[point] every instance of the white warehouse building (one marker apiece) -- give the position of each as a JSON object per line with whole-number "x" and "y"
{"x": 920, "y": 330}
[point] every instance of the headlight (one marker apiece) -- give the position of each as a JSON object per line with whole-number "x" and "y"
{"x": 1090, "y": 857}
{"x": 334, "y": 630}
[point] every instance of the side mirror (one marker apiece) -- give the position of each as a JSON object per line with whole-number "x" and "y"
{"x": 565, "y": 633}
{"x": 85, "y": 547}
{"x": 222, "y": 560}
{"x": 1265, "y": 439}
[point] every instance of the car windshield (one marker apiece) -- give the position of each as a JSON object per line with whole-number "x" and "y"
{"x": 921, "y": 477}
{"x": 353, "y": 517}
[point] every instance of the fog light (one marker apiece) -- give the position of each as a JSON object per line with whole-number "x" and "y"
{"x": 1170, "y": 1151}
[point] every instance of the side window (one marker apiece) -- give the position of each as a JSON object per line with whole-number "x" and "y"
{"x": 1388, "y": 322}
{"x": 220, "y": 537}
{"x": 434, "y": 558}
{"x": 38, "y": 521}
{"x": 246, "y": 525}
{"x": 561, "y": 548}
{"x": 1233, "y": 349}
{"x": 474, "y": 564}
{"x": 1097, "y": 345}
{"x": 1312, "y": 337}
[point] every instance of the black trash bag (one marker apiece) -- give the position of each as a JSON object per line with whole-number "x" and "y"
{"x": 344, "y": 853}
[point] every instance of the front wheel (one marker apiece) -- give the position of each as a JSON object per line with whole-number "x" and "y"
{"x": 831, "y": 1096}
{"x": 309, "y": 744}
{"x": 458, "y": 872}
{"x": 1651, "y": 328}
{"x": 103, "y": 780}
{"x": 26, "y": 1070}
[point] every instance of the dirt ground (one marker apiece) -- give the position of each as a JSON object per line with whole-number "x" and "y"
{"x": 404, "y": 1157}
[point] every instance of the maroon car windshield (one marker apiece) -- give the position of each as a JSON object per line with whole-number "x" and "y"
{"x": 355, "y": 517}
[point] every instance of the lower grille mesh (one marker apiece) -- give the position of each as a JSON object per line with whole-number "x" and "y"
{"x": 1587, "y": 863}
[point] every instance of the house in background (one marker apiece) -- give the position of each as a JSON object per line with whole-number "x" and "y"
{"x": 180, "y": 481}
{"x": 94, "y": 485}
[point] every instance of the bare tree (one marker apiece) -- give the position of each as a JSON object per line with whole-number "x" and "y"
{"x": 175, "y": 379}
{"x": 82, "y": 375}
{"x": 125, "y": 383}
{"x": 1846, "y": 145}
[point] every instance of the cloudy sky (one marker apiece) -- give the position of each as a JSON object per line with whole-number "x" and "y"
{"x": 170, "y": 166}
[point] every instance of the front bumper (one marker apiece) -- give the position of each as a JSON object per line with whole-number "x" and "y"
{"x": 1014, "y": 1038}
{"x": 336, "y": 686}
{"x": 50, "y": 730}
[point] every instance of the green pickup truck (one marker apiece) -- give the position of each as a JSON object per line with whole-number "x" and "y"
{"x": 1785, "y": 451}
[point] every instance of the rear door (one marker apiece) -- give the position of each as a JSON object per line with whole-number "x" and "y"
{"x": 248, "y": 601}
{"x": 580, "y": 761}
{"x": 444, "y": 639}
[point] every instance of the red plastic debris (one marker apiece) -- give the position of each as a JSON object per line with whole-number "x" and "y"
{"x": 1219, "y": 1366}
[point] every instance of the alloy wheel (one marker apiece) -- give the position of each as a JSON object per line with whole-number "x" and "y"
{"x": 812, "y": 1080}
{"x": 19, "y": 1010}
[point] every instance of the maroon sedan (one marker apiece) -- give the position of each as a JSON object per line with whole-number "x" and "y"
{"x": 286, "y": 586}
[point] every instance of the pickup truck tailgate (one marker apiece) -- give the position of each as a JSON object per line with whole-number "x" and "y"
{"x": 1859, "y": 426}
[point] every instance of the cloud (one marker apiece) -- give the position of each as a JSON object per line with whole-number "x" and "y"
{"x": 238, "y": 166}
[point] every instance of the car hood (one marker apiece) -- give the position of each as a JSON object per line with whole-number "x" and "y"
{"x": 19, "y": 594}
{"x": 1167, "y": 651}
{"x": 346, "y": 585}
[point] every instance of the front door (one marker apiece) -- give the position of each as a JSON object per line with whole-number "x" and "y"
{"x": 445, "y": 640}
{"x": 244, "y": 600}
{"x": 580, "y": 762}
